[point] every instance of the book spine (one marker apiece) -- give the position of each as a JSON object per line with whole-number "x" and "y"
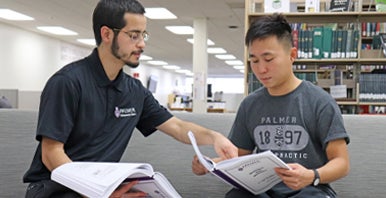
{"x": 327, "y": 42}
{"x": 317, "y": 42}
{"x": 228, "y": 180}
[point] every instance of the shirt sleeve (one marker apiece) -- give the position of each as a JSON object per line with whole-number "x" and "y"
{"x": 57, "y": 109}
{"x": 153, "y": 115}
{"x": 331, "y": 123}
{"x": 239, "y": 135}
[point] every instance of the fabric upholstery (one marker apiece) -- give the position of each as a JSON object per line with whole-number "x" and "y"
{"x": 367, "y": 151}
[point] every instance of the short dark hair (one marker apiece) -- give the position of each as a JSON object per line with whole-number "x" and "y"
{"x": 270, "y": 25}
{"x": 111, "y": 13}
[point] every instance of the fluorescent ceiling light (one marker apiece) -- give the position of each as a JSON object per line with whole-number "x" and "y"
{"x": 159, "y": 13}
{"x": 216, "y": 50}
{"x": 242, "y": 71}
{"x": 57, "y": 30}
{"x": 209, "y": 42}
{"x": 145, "y": 57}
{"x": 183, "y": 71}
{"x": 157, "y": 62}
{"x": 189, "y": 74}
{"x": 14, "y": 16}
{"x": 87, "y": 41}
{"x": 225, "y": 56}
{"x": 234, "y": 62}
{"x": 239, "y": 67}
{"x": 172, "y": 67}
{"x": 180, "y": 29}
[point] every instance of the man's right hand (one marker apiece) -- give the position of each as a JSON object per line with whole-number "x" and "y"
{"x": 123, "y": 191}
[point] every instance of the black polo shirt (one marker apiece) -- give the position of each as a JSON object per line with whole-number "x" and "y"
{"x": 93, "y": 116}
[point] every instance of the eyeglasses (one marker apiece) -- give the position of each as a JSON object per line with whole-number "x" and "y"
{"x": 135, "y": 35}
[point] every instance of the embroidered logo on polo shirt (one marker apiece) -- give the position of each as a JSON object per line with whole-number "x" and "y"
{"x": 124, "y": 112}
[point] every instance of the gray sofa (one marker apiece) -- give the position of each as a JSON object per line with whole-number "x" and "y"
{"x": 367, "y": 151}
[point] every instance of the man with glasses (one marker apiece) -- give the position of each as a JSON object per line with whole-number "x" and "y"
{"x": 90, "y": 107}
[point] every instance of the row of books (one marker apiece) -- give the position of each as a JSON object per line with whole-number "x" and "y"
{"x": 372, "y": 87}
{"x": 372, "y": 109}
{"x": 271, "y": 6}
{"x": 370, "y": 29}
{"x": 326, "y": 43}
{"x": 370, "y": 68}
{"x": 363, "y": 109}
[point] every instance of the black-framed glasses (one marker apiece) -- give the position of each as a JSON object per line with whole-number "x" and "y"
{"x": 135, "y": 35}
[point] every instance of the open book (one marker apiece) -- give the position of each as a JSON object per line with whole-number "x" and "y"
{"x": 254, "y": 173}
{"x": 100, "y": 179}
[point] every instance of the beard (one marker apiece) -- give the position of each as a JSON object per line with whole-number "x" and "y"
{"x": 114, "y": 50}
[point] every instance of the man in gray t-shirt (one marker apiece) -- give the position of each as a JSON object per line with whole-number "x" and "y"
{"x": 295, "y": 119}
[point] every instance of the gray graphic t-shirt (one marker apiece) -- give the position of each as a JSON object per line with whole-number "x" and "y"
{"x": 296, "y": 127}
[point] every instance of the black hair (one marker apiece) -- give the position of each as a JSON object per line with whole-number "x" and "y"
{"x": 270, "y": 25}
{"x": 111, "y": 13}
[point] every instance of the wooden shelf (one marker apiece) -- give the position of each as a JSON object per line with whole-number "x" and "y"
{"x": 373, "y": 103}
{"x": 372, "y": 57}
{"x": 331, "y": 17}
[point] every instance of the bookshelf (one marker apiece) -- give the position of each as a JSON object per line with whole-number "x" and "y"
{"x": 336, "y": 69}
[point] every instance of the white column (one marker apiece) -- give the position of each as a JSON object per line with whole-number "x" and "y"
{"x": 200, "y": 65}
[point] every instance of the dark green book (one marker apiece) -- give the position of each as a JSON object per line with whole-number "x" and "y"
{"x": 318, "y": 42}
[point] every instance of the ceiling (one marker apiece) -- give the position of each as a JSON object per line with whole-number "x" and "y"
{"x": 163, "y": 45}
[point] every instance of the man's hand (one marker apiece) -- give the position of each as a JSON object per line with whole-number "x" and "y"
{"x": 297, "y": 178}
{"x": 224, "y": 147}
{"x": 197, "y": 167}
{"x": 123, "y": 191}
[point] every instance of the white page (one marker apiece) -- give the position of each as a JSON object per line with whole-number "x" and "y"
{"x": 206, "y": 162}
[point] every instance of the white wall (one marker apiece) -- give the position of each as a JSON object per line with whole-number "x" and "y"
{"x": 28, "y": 59}
{"x": 167, "y": 81}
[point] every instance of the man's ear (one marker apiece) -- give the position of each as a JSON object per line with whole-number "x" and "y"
{"x": 293, "y": 54}
{"x": 107, "y": 34}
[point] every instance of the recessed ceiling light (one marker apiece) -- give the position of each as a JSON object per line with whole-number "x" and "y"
{"x": 87, "y": 41}
{"x": 57, "y": 30}
{"x": 157, "y": 62}
{"x": 225, "y": 56}
{"x": 180, "y": 29}
{"x": 234, "y": 62}
{"x": 209, "y": 42}
{"x": 159, "y": 13}
{"x": 189, "y": 73}
{"x": 145, "y": 57}
{"x": 14, "y": 16}
{"x": 239, "y": 67}
{"x": 216, "y": 50}
{"x": 183, "y": 71}
{"x": 174, "y": 67}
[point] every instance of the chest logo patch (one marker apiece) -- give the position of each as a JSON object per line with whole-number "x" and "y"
{"x": 124, "y": 112}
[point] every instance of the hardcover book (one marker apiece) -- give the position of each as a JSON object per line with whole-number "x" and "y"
{"x": 100, "y": 179}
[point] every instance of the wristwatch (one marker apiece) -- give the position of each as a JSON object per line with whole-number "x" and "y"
{"x": 316, "y": 178}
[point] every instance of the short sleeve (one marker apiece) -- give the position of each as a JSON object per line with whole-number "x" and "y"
{"x": 57, "y": 109}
